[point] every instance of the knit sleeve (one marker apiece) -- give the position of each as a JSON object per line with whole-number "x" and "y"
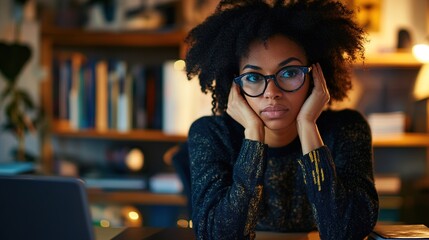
{"x": 340, "y": 185}
{"x": 225, "y": 195}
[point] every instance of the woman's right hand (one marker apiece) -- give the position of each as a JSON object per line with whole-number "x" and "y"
{"x": 240, "y": 111}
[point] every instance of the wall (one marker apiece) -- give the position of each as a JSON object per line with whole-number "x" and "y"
{"x": 396, "y": 14}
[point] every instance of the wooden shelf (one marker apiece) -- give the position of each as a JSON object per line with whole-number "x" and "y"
{"x": 389, "y": 60}
{"x": 133, "y": 135}
{"x": 82, "y": 37}
{"x": 136, "y": 197}
{"x": 401, "y": 140}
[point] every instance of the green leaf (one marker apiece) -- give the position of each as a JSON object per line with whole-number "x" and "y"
{"x": 25, "y": 98}
{"x": 6, "y": 92}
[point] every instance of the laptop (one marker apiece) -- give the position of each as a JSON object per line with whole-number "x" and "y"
{"x": 57, "y": 208}
{"x": 44, "y": 207}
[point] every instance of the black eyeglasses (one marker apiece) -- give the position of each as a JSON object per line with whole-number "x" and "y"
{"x": 288, "y": 79}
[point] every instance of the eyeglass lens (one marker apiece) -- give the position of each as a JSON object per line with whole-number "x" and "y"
{"x": 289, "y": 79}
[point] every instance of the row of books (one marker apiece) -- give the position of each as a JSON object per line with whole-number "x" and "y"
{"x": 387, "y": 123}
{"x": 158, "y": 183}
{"x": 103, "y": 94}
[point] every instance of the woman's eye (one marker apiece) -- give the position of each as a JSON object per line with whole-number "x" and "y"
{"x": 253, "y": 77}
{"x": 289, "y": 73}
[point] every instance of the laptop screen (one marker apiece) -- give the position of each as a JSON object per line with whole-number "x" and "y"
{"x": 44, "y": 207}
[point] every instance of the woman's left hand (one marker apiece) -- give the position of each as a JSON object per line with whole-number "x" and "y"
{"x": 316, "y": 102}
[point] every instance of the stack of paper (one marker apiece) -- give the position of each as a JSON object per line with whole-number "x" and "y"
{"x": 387, "y": 123}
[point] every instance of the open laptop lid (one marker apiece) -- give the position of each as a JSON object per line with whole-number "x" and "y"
{"x": 44, "y": 207}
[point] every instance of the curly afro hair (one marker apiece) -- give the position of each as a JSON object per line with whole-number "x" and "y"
{"x": 325, "y": 29}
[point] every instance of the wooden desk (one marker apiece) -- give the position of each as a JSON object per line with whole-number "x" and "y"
{"x": 109, "y": 233}
{"x": 106, "y": 233}
{"x": 288, "y": 236}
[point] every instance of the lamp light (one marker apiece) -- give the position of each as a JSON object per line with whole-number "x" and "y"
{"x": 421, "y": 104}
{"x": 421, "y": 52}
{"x": 421, "y": 86}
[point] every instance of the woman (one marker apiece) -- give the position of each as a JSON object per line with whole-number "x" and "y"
{"x": 273, "y": 157}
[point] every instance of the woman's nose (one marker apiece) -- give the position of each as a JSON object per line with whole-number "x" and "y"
{"x": 272, "y": 90}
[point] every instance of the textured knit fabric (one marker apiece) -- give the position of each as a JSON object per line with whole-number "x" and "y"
{"x": 240, "y": 186}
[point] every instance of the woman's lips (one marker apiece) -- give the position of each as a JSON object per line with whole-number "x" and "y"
{"x": 275, "y": 111}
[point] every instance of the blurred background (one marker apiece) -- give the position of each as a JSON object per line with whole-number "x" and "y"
{"x": 90, "y": 88}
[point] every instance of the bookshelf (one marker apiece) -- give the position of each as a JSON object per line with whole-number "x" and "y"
{"x": 54, "y": 40}
{"x": 401, "y": 204}
{"x": 133, "y": 197}
{"x": 400, "y": 59}
{"x": 402, "y": 140}
{"x": 134, "y": 135}
{"x": 400, "y": 159}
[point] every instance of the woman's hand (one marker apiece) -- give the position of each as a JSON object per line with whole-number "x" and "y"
{"x": 311, "y": 110}
{"x": 316, "y": 102}
{"x": 240, "y": 111}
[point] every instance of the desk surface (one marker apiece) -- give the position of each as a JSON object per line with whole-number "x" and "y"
{"x": 109, "y": 233}
{"x": 106, "y": 233}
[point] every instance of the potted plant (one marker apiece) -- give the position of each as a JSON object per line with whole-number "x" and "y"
{"x": 19, "y": 108}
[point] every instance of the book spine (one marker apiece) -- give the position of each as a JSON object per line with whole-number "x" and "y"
{"x": 139, "y": 97}
{"x": 108, "y": 94}
{"x": 101, "y": 96}
{"x": 76, "y": 61}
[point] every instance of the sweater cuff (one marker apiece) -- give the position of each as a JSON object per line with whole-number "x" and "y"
{"x": 318, "y": 169}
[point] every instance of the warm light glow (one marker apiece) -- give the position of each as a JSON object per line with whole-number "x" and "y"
{"x": 183, "y": 223}
{"x": 135, "y": 160}
{"x": 190, "y": 224}
{"x": 421, "y": 86}
{"x": 421, "y": 52}
{"x": 104, "y": 223}
{"x": 133, "y": 215}
{"x": 179, "y": 65}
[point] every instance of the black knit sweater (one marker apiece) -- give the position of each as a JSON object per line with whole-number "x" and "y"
{"x": 239, "y": 185}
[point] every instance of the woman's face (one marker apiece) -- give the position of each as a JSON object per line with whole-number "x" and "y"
{"x": 277, "y": 109}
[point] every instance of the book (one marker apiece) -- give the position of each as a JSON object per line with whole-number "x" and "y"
{"x": 177, "y": 100}
{"x": 113, "y": 93}
{"x": 183, "y": 100}
{"x": 65, "y": 81}
{"x": 151, "y": 95}
{"x": 90, "y": 92}
{"x": 115, "y": 182}
{"x": 15, "y": 168}
{"x": 139, "y": 97}
{"x": 122, "y": 98}
{"x": 77, "y": 60}
{"x": 101, "y": 123}
{"x": 400, "y": 231}
{"x": 159, "y": 98}
{"x": 165, "y": 183}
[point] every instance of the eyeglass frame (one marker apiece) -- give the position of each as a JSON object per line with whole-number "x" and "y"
{"x": 305, "y": 69}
